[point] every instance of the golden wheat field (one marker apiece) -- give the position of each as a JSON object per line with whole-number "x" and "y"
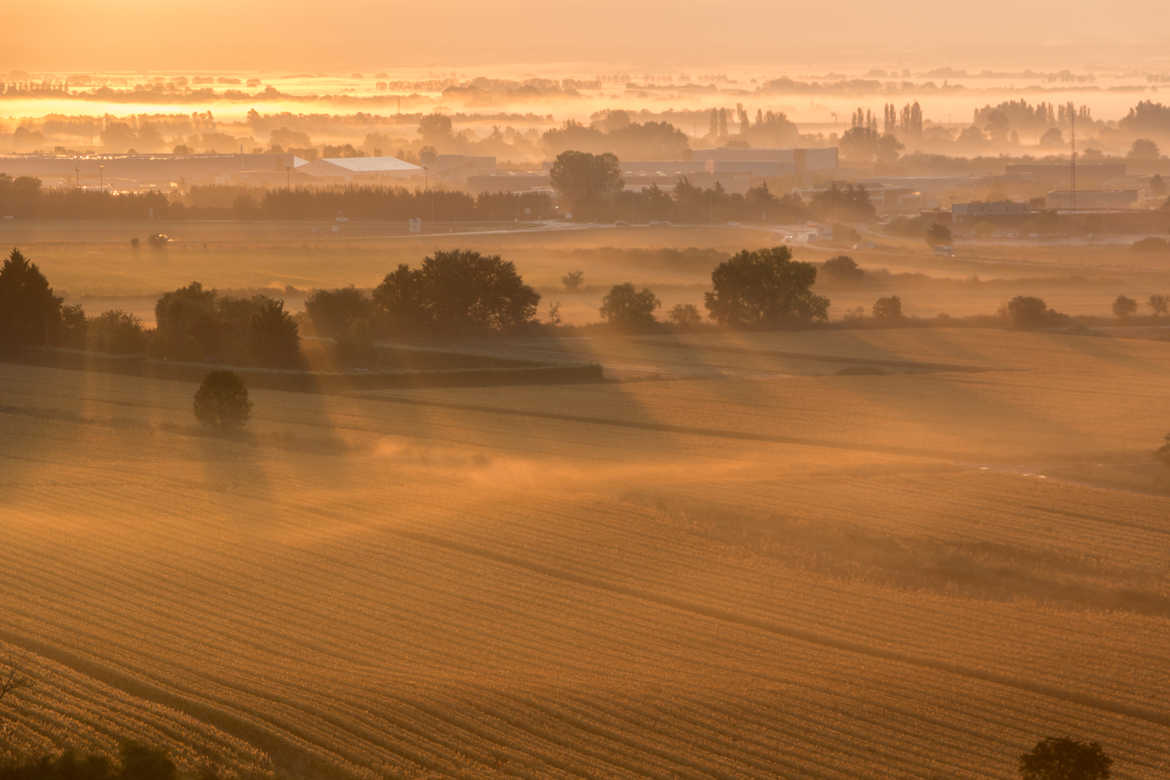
{"x": 737, "y": 561}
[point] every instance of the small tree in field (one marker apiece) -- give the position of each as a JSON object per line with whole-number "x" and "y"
{"x": 888, "y": 309}
{"x": 1027, "y": 311}
{"x": 221, "y": 402}
{"x": 1062, "y": 758}
{"x": 1159, "y": 304}
{"x": 573, "y": 280}
{"x": 1124, "y": 307}
{"x": 685, "y": 316}
{"x": 626, "y": 307}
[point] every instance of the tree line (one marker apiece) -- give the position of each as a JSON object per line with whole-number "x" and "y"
{"x": 591, "y": 187}
{"x": 24, "y": 196}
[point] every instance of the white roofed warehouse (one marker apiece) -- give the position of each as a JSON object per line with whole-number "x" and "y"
{"x": 358, "y": 169}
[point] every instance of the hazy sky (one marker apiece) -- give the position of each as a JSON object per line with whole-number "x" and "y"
{"x": 302, "y": 34}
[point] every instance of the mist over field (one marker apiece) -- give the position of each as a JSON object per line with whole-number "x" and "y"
{"x": 591, "y": 390}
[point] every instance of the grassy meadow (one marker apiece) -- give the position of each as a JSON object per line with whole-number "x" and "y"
{"x": 93, "y": 263}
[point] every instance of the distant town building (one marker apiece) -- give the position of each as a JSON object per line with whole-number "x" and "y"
{"x": 1091, "y": 199}
{"x": 965, "y": 212}
{"x": 1087, "y": 172}
{"x": 348, "y": 169}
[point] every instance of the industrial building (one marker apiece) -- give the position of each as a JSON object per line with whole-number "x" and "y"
{"x": 168, "y": 171}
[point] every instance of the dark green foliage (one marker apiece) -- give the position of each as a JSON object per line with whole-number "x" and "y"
{"x": 1062, "y": 758}
{"x": 221, "y": 402}
{"x": 765, "y": 288}
{"x": 116, "y": 332}
{"x": 842, "y": 269}
{"x": 626, "y": 307}
{"x": 1027, "y": 312}
{"x": 888, "y": 309}
{"x": 136, "y": 762}
{"x": 455, "y": 293}
{"x": 30, "y": 315}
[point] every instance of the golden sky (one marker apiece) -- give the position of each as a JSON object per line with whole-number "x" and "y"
{"x": 303, "y": 34}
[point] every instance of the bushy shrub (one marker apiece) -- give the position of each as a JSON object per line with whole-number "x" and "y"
{"x": 221, "y": 402}
{"x": 888, "y": 309}
{"x": 842, "y": 269}
{"x": 1027, "y": 312}
{"x": 626, "y": 307}
{"x": 685, "y": 316}
{"x": 1062, "y": 758}
{"x": 200, "y": 325}
{"x": 116, "y": 332}
{"x": 333, "y": 312}
{"x": 1124, "y": 307}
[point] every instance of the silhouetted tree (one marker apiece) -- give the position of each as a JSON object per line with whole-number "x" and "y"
{"x": 1124, "y": 307}
{"x": 843, "y": 202}
{"x": 272, "y": 335}
{"x": 685, "y": 316}
{"x": 586, "y": 181}
{"x": 187, "y": 324}
{"x": 626, "y": 307}
{"x": 1062, "y": 758}
{"x": 1159, "y": 304}
{"x": 1144, "y": 149}
{"x": 765, "y": 288}
{"x": 1163, "y": 452}
{"x": 888, "y": 309}
{"x": 29, "y": 312}
{"x": 572, "y": 280}
{"x": 221, "y": 402}
{"x": 72, "y": 332}
{"x": 842, "y": 268}
{"x": 456, "y": 293}
{"x": 1027, "y": 312}
{"x": 333, "y": 312}
{"x": 117, "y": 332}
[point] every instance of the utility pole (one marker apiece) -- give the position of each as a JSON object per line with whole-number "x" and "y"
{"x": 1072, "y": 118}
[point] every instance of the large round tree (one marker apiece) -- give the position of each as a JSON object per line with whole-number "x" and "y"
{"x": 765, "y": 288}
